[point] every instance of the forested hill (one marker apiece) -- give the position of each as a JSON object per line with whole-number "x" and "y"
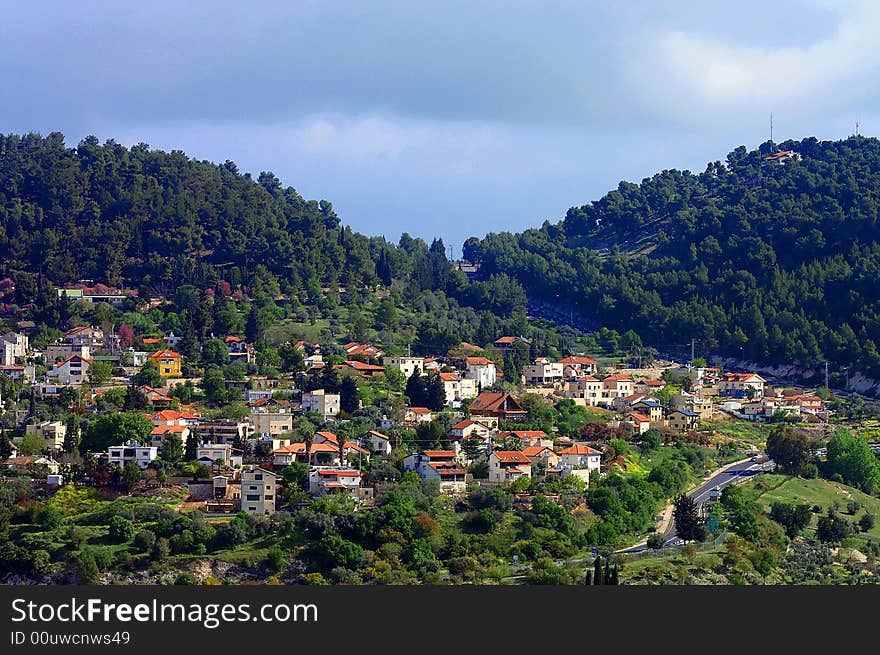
{"x": 771, "y": 263}
{"x": 156, "y": 221}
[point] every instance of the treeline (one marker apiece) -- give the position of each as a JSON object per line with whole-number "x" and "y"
{"x": 775, "y": 264}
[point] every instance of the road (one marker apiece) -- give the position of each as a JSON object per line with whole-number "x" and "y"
{"x": 736, "y": 473}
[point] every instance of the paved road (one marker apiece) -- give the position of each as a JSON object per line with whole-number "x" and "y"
{"x": 736, "y": 473}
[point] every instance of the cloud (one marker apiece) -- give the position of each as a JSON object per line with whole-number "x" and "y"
{"x": 698, "y": 72}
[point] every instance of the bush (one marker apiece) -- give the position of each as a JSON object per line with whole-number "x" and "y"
{"x": 121, "y": 529}
{"x": 85, "y": 568}
{"x": 817, "y": 509}
{"x": 852, "y": 507}
{"x": 810, "y": 471}
{"x": 837, "y": 477}
{"x": 656, "y": 541}
{"x": 145, "y": 540}
{"x": 866, "y": 522}
{"x": 186, "y": 579}
{"x": 275, "y": 559}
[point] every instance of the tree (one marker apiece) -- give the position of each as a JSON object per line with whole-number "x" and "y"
{"x": 148, "y": 375}
{"x": 215, "y": 351}
{"x": 794, "y": 518}
{"x": 120, "y": 529}
{"x": 687, "y": 521}
{"x": 789, "y": 448}
{"x": 5, "y": 445}
{"x": 31, "y": 444}
{"x": 214, "y": 386}
{"x": 172, "y": 447}
{"x": 192, "y": 444}
{"x": 348, "y": 394}
{"x": 85, "y": 568}
{"x": 832, "y": 528}
{"x": 851, "y": 457}
{"x": 114, "y": 428}
{"x": 435, "y": 393}
{"x": 131, "y": 475}
{"x": 100, "y": 372}
{"x": 472, "y": 447}
{"x": 415, "y": 389}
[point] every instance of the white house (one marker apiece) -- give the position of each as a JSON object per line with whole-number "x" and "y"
{"x": 377, "y": 442}
{"x": 543, "y": 371}
{"x": 580, "y": 459}
{"x": 457, "y": 388}
{"x": 319, "y": 402}
{"x": 406, "y": 365}
{"x": 72, "y": 371}
{"x": 213, "y": 453}
{"x": 132, "y": 452}
{"x": 482, "y": 371}
{"x": 13, "y": 347}
{"x": 333, "y": 479}
{"x": 585, "y": 390}
{"x": 258, "y": 491}
{"x": 440, "y": 465}
{"x": 741, "y": 385}
{"x": 52, "y": 433}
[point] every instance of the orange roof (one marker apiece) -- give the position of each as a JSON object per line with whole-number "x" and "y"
{"x": 505, "y": 340}
{"x": 232, "y": 339}
{"x": 173, "y": 415}
{"x": 150, "y": 341}
{"x": 580, "y": 449}
{"x": 164, "y": 429}
{"x": 72, "y": 357}
{"x": 361, "y": 366}
{"x": 654, "y": 383}
{"x": 511, "y": 456}
{"x": 300, "y": 447}
{"x": 479, "y": 361}
{"x": 618, "y": 377}
{"x": 464, "y": 424}
{"x": 525, "y": 434}
{"x": 329, "y": 436}
{"x": 449, "y": 377}
{"x": 165, "y": 353}
{"x": 376, "y": 433}
{"x": 641, "y": 418}
{"x": 444, "y": 470}
{"x": 420, "y": 410}
{"x": 578, "y": 360}
{"x": 439, "y": 454}
{"x": 341, "y": 473}
{"x": 534, "y": 451}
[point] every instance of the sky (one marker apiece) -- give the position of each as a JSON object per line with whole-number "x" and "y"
{"x": 443, "y": 119}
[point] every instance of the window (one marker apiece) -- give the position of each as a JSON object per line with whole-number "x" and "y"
{"x": 258, "y": 476}
{"x": 252, "y": 487}
{"x": 251, "y": 508}
{"x": 253, "y": 497}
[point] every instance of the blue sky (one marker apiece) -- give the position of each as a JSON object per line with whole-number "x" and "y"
{"x": 444, "y": 119}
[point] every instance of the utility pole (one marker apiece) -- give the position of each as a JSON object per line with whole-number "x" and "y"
{"x": 826, "y": 375}
{"x": 693, "y": 357}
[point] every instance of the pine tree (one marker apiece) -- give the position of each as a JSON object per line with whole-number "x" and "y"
{"x": 415, "y": 389}
{"x": 597, "y": 572}
{"x": 435, "y": 393}
{"x": 192, "y": 444}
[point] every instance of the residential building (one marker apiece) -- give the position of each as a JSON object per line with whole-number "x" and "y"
{"x": 413, "y": 416}
{"x": 155, "y": 397}
{"x": 482, "y": 371}
{"x": 132, "y": 452}
{"x": 616, "y": 386}
{"x": 58, "y": 352}
{"x": 168, "y": 362}
{"x": 494, "y": 407}
{"x": 377, "y": 442}
{"x": 541, "y": 455}
{"x": 320, "y": 454}
{"x": 509, "y": 343}
{"x": 158, "y": 433}
{"x": 364, "y": 369}
{"x": 468, "y": 428}
{"x": 528, "y": 437}
{"x": 543, "y": 371}
{"x": 682, "y": 420}
{"x": 239, "y": 350}
{"x": 223, "y": 431}
{"x": 368, "y": 350}
{"x": 269, "y": 423}
{"x": 52, "y": 433}
{"x": 626, "y": 402}
{"x": 71, "y": 372}
{"x": 13, "y": 348}
{"x": 211, "y": 453}
{"x": 405, "y": 364}
{"x": 31, "y": 463}
{"x": 319, "y": 402}
{"x": 440, "y": 465}
{"x": 92, "y": 337}
{"x": 506, "y": 465}
{"x": 580, "y": 460}
{"x": 648, "y": 386}
{"x": 639, "y": 422}
{"x": 741, "y": 385}
{"x": 333, "y": 480}
{"x": 457, "y": 388}
{"x": 701, "y": 405}
{"x": 650, "y": 408}
{"x": 258, "y": 491}
{"x": 585, "y": 391}
{"x": 577, "y": 366}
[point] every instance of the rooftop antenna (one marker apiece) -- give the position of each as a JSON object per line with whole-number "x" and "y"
{"x": 771, "y": 128}
{"x": 857, "y": 128}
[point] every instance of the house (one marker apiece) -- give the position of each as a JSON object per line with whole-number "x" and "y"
{"x": 438, "y": 465}
{"x": 781, "y": 157}
{"x": 616, "y": 386}
{"x": 585, "y": 391}
{"x": 70, "y": 372}
{"x": 576, "y": 366}
{"x": 155, "y": 397}
{"x": 626, "y": 402}
{"x": 325, "y": 454}
{"x": 491, "y": 406}
{"x": 650, "y": 408}
{"x": 702, "y": 406}
{"x": 649, "y": 386}
{"x": 377, "y": 442}
{"x": 467, "y": 429}
{"x": 541, "y": 455}
{"x": 367, "y": 370}
{"x": 58, "y": 352}
{"x": 167, "y": 362}
{"x": 406, "y": 365}
{"x": 741, "y": 385}
{"x": 639, "y": 422}
{"x": 579, "y": 460}
{"x": 682, "y": 420}
{"x": 132, "y": 452}
{"x": 239, "y": 350}
{"x": 13, "y": 348}
{"x": 16, "y": 373}
{"x": 457, "y": 388}
{"x": 269, "y": 423}
{"x": 482, "y": 371}
{"x": 84, "y": 336}
{"x": 432, "y": 364}
{"x": 52, "y": 433}
{"x": 528, "y": 437}
{"x": 174, "y": 417}
{"x": 28, "y": 463}
{"x": 416, "y": 415}
{"x": 333, "y": 480}
{"x": 223, "y": 430}
{"x": 251, "y": 395}
{"x": 213, "y": 453}
{"x": 158, "y": 433}
{"x": 258, "y": 491}
{"x": 351, "y": 448}
{"x": 543, "y": 371}
{"x": 505, "y": 465}
{"x": 509, "y": 343}
{"x": 354, "y": 348}
{"x": 319, "y": 402}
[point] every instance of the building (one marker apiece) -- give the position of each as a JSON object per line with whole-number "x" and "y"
{"x": 509, "y": 343}
{"x": 132, "y": 452}
{"x": 406, "y": 365}
{"x": 368, "y": 350}
{"x": 580, "y": 460}
{"x": 377, "y": 442}
{"x": 576, "y": 366}
{"x": 616, "y": 386}
{"x": 457, "y": 388}
{"x": 91, "y": 337}
{"x": 155, "y": 397}
{"x": 438, "y": 465}
{"x": 270, "y": 424}
{"x": 650, "y": 408}
{"x": 318, "y": 402}
{"x": 223, "y": 431}
{"x": 741, "y": 385}
{"x": 52, "y": 433}
{"x": 13, "y": 349}
{"x": 528, "y": 437}
{"x": 649, "y": 386}
{"x": 70, "y": 372}
{"x": 362, "y": 368}
{"x": 334, "y": 480}
{"x": 158, "y": 434}
{"x": 258, "y": 491}
{"x": 210, "y": 453}
{"x": 585, "y": 390}
{"x": 482, "y": 371}
{"x": 320, "y": 454}
{"x": 543, "y": 371}
{"x": 682, "y": 420}
{"x": 492, "y": 407}
{"x": 507, "y": 465}
{"x": 167, "y": 362}
{"x": 468, "y": 428}
{"x": 239, "y": 350}
{"x": 541, "y": 455}
{"x": 639, "y": 422}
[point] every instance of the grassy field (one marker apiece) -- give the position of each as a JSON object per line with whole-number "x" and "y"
{"x": 780, "y": 488}
{"x": 752, "y": 433}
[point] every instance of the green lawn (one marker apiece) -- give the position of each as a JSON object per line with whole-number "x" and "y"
{"x": 753, "y": 433}
{"x": 816, "y": 492}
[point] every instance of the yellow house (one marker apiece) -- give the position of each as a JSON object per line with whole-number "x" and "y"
{"x": 168, "y": 363}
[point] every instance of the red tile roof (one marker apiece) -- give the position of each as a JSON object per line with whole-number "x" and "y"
{"x": 580, "y": 449}
{"x": 439, "y": 454}
{"x": 534, "y": 451}
{"x": 641, "y": 418}
{"x": 479, "y": 361}
{"x": 165, "y": 353}
{"x": 511, "y": 456}
{"x": 578, "y": 360}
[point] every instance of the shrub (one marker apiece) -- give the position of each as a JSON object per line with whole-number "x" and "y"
{"x": 866, "y": 522}
{"x": 852, "y": 507}
{"x": 186, "y": 579}
{"x": 144, "y": 540}
{"x": 121, "y": 529}
{"x": 656, "y": 541}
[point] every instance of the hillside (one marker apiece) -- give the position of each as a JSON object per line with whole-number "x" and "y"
{"x": 770, "y": 262}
